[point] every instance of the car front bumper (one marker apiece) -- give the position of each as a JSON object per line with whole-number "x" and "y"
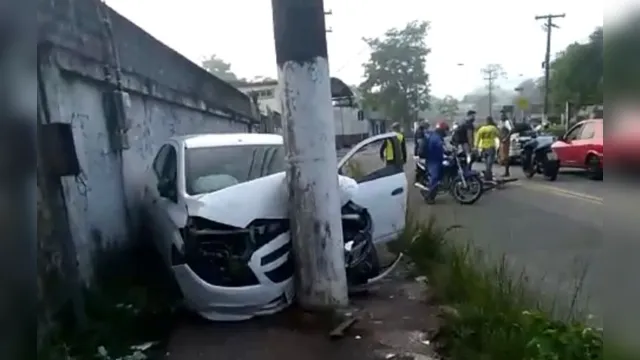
{"x": 217, "y": 303}
{"x": 222, "y": 303}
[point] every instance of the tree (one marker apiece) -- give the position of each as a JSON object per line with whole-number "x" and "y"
{"x": 577, "y": 73}
{"x": 396, "y": 81}
{"x": 219, "y": 68}
{"x": 448, "y": 107}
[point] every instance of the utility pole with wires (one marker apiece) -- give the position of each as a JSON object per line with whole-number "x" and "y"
{"x": 492, "y": 72}
{"x": 549, "y": 25}
{"x": 309, "y": 136}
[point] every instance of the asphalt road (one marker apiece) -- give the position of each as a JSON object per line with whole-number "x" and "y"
{"x": 563, "y": 236}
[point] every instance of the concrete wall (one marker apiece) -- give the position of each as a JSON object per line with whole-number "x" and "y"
{"x": 349, "y": 130}
{"x": 168, "y": 96}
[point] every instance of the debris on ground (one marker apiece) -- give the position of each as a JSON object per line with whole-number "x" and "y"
{"x": 391, "y": 322}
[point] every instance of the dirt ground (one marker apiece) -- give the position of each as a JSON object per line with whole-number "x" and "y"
{"x": 394, "y": 322}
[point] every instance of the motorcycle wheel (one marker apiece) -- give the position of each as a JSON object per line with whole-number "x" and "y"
{"x": 552, "y": 174}
{"x": 471, "y": 193}
{"x": 528, "y": 167}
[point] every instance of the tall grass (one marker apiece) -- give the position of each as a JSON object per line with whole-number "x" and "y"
{"x": 489, "y": 313}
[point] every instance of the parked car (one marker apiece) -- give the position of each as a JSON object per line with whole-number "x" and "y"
{"x": 582, "y": 147}
{"x": 521, "y": 133}
{"x": 216, "y": 206}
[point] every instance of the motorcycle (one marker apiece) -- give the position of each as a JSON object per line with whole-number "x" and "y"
{"x": 537, "y": 157}
{"x": 464, "y": 185}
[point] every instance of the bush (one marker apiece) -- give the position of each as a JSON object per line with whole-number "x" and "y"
{"x": 131, "y": 304}
{"x": 493, "y": 315}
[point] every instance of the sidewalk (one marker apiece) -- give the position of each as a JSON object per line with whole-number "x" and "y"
{"x": 394, "y": 320}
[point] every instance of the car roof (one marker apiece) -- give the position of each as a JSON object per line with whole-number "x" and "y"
{"x": 232, "y": 139}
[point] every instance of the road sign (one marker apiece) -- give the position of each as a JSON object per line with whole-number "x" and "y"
{"x": 523, "y": 103}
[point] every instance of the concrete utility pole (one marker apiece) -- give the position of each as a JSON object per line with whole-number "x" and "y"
{"x": 307, "y": 113}
{"x": 547, "y": 58}
{"x": 491, "y": 73}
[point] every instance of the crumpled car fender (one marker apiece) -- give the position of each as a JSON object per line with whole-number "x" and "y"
{"x": 264, "y": 198}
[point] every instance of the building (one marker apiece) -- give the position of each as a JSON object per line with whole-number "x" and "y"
{"x": 350, "y": 124}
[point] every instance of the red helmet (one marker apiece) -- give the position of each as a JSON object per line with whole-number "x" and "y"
{"x": 442, "y": 126}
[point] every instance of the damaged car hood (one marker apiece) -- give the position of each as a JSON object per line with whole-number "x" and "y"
{"x": 264, "y": 198}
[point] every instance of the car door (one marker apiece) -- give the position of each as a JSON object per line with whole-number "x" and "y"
{"x": 151, "y": 214}
{"x": 382, "y": 185}
{"x": 584, "y": 143}
{"x": 170, "y": 209}
{"x": 565, "y": 148}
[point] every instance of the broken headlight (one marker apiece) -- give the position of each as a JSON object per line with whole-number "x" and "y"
{"x": 219, "y": 254}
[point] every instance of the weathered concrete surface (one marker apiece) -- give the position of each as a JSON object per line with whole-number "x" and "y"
{"x": 168, "y": 95}
{"x": 394, "y": 323}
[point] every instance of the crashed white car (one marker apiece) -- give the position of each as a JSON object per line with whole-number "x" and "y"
{"x": 217, "y": 208}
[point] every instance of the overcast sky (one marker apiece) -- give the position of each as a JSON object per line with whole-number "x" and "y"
{"x": 462, "y": 31}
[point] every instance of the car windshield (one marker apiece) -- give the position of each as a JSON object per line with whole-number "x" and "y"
{"x": 210, "y": 169}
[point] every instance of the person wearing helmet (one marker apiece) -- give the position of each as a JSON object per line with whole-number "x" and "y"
{"x": 432, "y": 151}
{"x": 387, "y": 150}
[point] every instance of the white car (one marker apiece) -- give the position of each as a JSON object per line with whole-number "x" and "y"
{"x": 216, "y": 205}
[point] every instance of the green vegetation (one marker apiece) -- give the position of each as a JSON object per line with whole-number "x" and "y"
{"x": 129, "y": 312}
{"x": 489, "y": 313}
{"x": 396, "y": 80}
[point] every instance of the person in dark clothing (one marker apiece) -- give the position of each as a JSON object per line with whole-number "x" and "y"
{"x": 463, "y": 137}
{"x": 387, "y": 150}
{"x": 419, "y": 136}
{"x": 432, "y": 150}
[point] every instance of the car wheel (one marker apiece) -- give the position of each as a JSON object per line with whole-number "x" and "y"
{"x": 594, "y": 168}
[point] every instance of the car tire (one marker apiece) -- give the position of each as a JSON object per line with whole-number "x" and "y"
{"x": 594, "y": 168}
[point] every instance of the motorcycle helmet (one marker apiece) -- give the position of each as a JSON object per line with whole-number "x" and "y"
{"x": 442, "y": 127}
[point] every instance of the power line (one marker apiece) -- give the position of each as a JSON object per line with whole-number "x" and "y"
{"x": 549, "y": 25}
{"x": 491, "y": 73}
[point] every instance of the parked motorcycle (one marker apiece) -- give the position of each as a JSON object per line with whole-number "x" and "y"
{"x": 464, "y": 184}
{"x": 537, "y": 157}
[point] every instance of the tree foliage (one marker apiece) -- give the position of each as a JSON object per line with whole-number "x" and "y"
{"x": 448, "y": 107}
{"x": 219, "y": 68}
{"x": 577, "y": 73}
{"x": 396, "y": 80}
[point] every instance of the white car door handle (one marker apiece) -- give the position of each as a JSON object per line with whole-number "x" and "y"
{"x": 397, "y": 191}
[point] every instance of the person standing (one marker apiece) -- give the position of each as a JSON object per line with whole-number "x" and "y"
{"x": 505, "y": 143}
{"x": 463, "y": 136}
{"x": 485, "y": 141}
{"x": 387, "y": 150}
{"x": 432, "y": 150}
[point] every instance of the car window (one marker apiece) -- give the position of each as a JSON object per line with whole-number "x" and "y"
{"x": 170, "y": 168}
{"x": 158, "y": 162}
{"x": 374, "y": 161}
{"x": 588, "y": 131}
{"x": 210, "y": 169}
{"x": 574, "y": 133}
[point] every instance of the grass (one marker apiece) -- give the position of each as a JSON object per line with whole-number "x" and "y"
{"x": 129, "y": 312}
{"x": 490, "y": 314}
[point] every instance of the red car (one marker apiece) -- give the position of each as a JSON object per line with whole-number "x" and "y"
{"x": 582, "y": 148}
